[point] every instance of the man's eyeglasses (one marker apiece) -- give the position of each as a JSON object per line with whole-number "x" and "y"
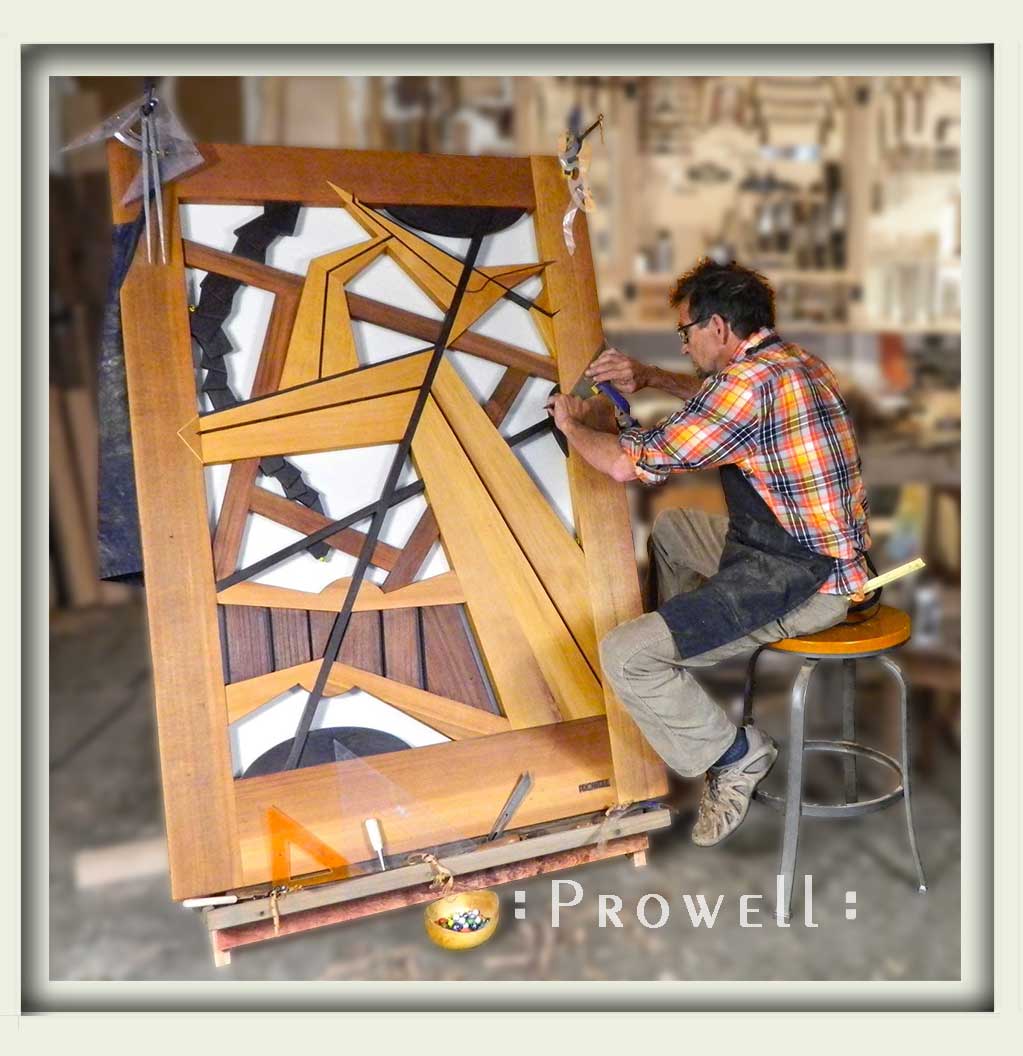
{"x": 683, "y": 331}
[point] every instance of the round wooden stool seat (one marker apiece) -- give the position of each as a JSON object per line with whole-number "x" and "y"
{"x": 886, "y": 629}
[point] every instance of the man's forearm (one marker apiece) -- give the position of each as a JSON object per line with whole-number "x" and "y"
{"x": 601, "y": 450}
{"x": 682, "y": 385}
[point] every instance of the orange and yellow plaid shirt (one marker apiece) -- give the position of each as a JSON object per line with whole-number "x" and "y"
{"x": 774, "y": 411}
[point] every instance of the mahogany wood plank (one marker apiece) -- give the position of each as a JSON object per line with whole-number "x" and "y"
{"x": 570, "y": 763}
{"x": 451, "y": 668}
{"x": 601, "y": 511}
{"x": 237, "y": 174}
{"x": 401, "y": 648}
{"x": 182, "y": 613}
{"x": 249, "y": 644}
{"x": 363, "y": 644}
{"x": 289, "y": 630}
{"x": 304, "y": 520}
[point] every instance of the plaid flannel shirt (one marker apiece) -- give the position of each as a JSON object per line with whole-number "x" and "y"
{"x": 777, "y": 414}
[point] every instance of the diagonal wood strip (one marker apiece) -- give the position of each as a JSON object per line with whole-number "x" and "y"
{"x": 232, "y": 266}
{"x": 382, "y": 379}
{"x": 426, "y": 532}
{"x": 554, "y": 555}
{"x": 367, "y": 310}
{"x": 528, "y": 649}
{"x": 360, "y": 424}
{"x": 304, "y": 520}
{"x": 450, "y": 717}
{"x": 444, "y": 589}
{"x": 234, "y": 508}
{"x": 414, "y": 552}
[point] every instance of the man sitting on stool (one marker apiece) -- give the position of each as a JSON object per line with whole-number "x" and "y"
{"x": 787, "y": 560}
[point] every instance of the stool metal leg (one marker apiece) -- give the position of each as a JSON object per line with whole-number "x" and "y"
{"x": 849, "y": 727}
{"x": 794, "y": 788}
{"x": 747, "y": 697}
{"x": 904, "y": 706}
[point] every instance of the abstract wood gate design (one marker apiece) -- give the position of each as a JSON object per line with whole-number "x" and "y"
{"x": 497, "y": 655}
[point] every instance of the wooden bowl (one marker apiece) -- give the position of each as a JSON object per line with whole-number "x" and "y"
{"x": 485, "y": 901}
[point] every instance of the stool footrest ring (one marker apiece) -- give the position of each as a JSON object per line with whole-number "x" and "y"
{"x": 836, "y": 811}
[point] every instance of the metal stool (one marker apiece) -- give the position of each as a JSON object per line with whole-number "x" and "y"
{"x": 874, "y": 636}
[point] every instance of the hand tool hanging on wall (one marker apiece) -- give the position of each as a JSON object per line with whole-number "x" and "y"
{"x": 574, "y": 164}
{"x": 150, "y": 128}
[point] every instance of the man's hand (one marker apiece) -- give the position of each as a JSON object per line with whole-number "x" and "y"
{"x": 624, "y": 373}
{"x": 567, "y": 410}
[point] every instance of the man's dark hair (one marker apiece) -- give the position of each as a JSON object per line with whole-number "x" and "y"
{"x": 743, "y": 298}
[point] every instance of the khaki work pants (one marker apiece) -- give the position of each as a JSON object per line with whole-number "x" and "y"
{"x": 686, "y": 728}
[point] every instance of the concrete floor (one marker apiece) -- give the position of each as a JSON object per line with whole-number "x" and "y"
{"x": 105, "y": 790}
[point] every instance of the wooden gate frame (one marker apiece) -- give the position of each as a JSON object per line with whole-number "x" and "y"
{"x": 215, "y": 825}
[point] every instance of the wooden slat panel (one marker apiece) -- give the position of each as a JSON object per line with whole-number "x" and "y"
{"x": 553, "y": 553}
{"x": 401, "y": 647}
{"x": 444, "y": 589}
{"x": 239, "y": 174}
{"x": 187, "y": 676}
{"x": 414, "y": 552}
{"x": 601, "y": 511}
{"x": 290, "y": 631}
{"x": 232, "y": 266}
{"x": 362, "y": 424}
{"x": 561, "y": 757}
{"x": 521, "y": 634}
{"x": 367, "y": 310}
{"x": 363, "y": 647}
{"x": 320, "y": 624}
{"x": 451, "y": 668}
{"x": 304, "y": 520}
{"x": 396, "y": 375}
{"x": 249, "y": 648}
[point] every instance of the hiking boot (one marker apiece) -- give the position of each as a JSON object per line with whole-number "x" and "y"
{"x": 728, "y": 791}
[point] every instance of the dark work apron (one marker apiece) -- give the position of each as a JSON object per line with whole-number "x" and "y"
{"x": 764, "y": 572}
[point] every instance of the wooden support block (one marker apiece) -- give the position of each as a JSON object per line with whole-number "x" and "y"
{"x": 101, "y": 866}
{"x": 226, "y": 939}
